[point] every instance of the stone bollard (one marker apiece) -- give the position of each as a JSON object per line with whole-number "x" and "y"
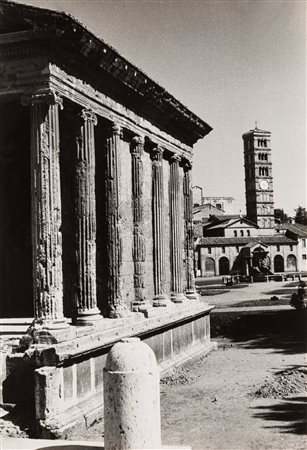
{"x": 131, "y": 397}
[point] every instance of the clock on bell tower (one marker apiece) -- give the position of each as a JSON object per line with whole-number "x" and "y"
{"x": 258, "y": 177}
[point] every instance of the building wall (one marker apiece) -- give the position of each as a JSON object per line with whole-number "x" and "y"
{"x": 240, "y": 229}
{"x": 302, "y": 254}
{"x": 232, "y": 253}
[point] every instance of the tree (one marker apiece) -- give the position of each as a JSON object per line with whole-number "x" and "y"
{"x": 280, "y": 215}
{"x": 301, "y": 215}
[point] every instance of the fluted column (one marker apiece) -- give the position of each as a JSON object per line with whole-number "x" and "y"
{"x": 177, "y": 295}
{"x": 85, "y": 210}
{"x": 189, "y": 233}
{"x": 160, "y": 298}
{"x": 46, "y": 209}
{"x": 139, "y": 244}
{"x": 114, "y": 238}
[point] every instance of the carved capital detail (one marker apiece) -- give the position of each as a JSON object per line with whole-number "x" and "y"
{"x": 176, "y": 158}
{"x": 116, "y": 129}
{"x": 49, "y": 98}
{"x": 156, "y": 153}
{"x": 89, "y": 116}
{"x": 187, "y": 165}
{"x": 137, "y": 143}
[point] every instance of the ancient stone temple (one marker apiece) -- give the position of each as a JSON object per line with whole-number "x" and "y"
{"x": 96, "y": 239}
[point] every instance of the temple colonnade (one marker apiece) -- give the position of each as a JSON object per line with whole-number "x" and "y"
{"x": 46, "y": 211}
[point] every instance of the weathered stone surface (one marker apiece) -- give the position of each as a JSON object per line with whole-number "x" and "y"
{"x": 114, "y": 244}
{"x": 84, "y": 378}
{"x": 46, "y": 209}
{"x": 160, "y": 298}
{"x": 175, "y": 222}
{"x": 189, "y": 238}
{"x": 139, "y": 243}
{"x": 131, "y": 397}
{"x": 140, "y": 210}
{"x": 86, "y": 296}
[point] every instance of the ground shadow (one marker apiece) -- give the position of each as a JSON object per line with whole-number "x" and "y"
{"x": 290, "y": 413}
{"x": 72, "y": 447}
{"x": 282, "y": 331}
{"x": 20, "y": 418}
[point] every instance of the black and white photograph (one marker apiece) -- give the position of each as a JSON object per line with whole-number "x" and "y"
{"x": 153, "y": 224}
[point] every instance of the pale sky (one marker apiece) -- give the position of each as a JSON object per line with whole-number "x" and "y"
{"x": 230, "y": 62}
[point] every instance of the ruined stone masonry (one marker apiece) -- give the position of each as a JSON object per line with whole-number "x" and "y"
{"x": 177, "y": 295}
{"x": 95, "y": 215}
{"x": 160, "y": 297}
{"x": 189, "y": 237}
{"x": 114, "y": 238}
{"x": 46, "y": 208}
{"x": 86, "y": 298}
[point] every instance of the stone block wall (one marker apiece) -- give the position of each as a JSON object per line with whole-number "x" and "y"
{"x": 69, "y": 387}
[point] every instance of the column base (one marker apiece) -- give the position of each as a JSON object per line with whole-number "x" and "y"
{"x": 88, "y": 317}
{"x": 119, "y": 312}
{"x": 43, "y": 331}
{"x": 143, "y": 307}
{"x": 46, "y": 324}
{"x": 178, "y": 297}
{"x": 191, "y": 294}
{"x": 161, "y": 300}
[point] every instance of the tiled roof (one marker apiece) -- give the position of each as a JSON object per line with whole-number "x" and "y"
{"x": 296, "y": 228}
{"x": 240, "y": 241}
{"x": 224, "y": 218}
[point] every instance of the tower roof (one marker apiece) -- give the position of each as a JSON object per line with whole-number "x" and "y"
{"x": 256, "y": 132}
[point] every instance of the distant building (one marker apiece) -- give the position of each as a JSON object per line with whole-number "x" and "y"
{"x": 252, "y": 245}
{"x": 225, "y": 204}
{"x": 258, "y": 178}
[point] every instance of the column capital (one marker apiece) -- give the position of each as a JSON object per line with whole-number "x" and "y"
{"x": 116, "y": 129}
{"x": 175, "y": 158}
{"x": 47, "y": 97}
{"x": 136, "y": 141}
{"x": 156, "y": 153}
{"x": 88, "y": 116}
{"x": 187, "y": 165}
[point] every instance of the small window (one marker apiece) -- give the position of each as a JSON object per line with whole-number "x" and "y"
{"x": 278, "y": 248}
{"x": 238, "y": 249}
{"x": 248, "y": 233}
{"x": 223, "y": 249}
{"x": 304, "y": 256}
{"x": 209, "y": 249}
{"x": 241, "y": 232}
{"x": 291, "y": 248}
{"x": 235, "y": 233}
{"x": 304, "y": 243}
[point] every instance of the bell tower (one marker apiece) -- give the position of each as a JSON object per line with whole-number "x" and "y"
{"x": 258, "y": 178}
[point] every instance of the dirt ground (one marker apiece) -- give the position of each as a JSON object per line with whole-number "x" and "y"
{"x": 242, "y": 396}
{"x": 227, "y": 400}
{"x": 250, "y": 394}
